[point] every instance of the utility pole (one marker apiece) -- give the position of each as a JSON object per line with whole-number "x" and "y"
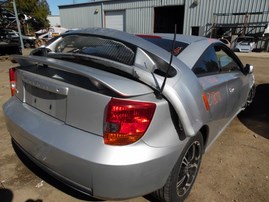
{"x": 18, "y": 23}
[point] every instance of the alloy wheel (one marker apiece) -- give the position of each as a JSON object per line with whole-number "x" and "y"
{"x": 189, "y": 168}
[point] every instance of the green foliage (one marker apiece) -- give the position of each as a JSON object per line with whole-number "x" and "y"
{"x": 37, "y": 9}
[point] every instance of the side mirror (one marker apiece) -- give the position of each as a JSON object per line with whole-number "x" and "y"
{"x": 248, "y": 69}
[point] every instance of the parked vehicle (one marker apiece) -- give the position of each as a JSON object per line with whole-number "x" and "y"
{"x": 9, "y": 48}
{"x": 244, "y": 44}
{"x": 9, "y": 35}
{"x": 52, "y": 32}
{"x": 28, "y": 41}
{"x": 116, "y": 116}
{"x": 8, "y": 43}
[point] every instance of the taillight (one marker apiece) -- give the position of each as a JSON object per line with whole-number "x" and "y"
{"x": 12, "y": 79}
{"x": 126, "y": 121}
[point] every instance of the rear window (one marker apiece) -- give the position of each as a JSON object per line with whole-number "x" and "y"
{"x": 96, "y": 46}
{"x": 167, "y": 44}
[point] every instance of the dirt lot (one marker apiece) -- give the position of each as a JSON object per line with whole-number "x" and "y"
{"x": 235, "y": 168}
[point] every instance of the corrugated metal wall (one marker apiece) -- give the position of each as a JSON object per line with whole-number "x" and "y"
{"x": 139, "y": 20}
{"x": 132, "y": 4}
{"x": 140, "y": 13}
{"x": 81, "y": 17}
{"x": 202, "y": 14}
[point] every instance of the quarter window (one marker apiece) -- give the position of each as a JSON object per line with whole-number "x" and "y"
{"x": 207, "y": 63}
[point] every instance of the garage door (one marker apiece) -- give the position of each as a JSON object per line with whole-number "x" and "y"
{"x": 115, "y": 20}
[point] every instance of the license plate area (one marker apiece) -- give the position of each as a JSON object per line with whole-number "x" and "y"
{"x": 48, "y": 102}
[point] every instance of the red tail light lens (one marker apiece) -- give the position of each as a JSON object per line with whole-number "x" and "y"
{"x": 12, "y": 79}
{"x": 126, "y": 121}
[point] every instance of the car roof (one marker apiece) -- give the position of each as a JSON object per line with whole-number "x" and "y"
{"x": 131, "y": 38}
{"x": 193, "y": 52}
{"x": 196, "y": 44}
{"x": 188, "y": 39}
{"x": 126, "y": 38}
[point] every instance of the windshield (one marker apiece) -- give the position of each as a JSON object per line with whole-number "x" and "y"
{"x": 96, "y": 46}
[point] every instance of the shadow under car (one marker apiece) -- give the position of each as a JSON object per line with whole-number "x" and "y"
{"x": 256, "y": 117}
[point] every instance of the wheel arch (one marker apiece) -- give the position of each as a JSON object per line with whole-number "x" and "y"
{"x": 204, "y": 131}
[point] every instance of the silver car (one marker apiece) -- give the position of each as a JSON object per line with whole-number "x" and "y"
{"x": 117, "y": 115}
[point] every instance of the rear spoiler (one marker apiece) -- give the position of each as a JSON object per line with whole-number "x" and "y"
{"x": 116, "y": 83}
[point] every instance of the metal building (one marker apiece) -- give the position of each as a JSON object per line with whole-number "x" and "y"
{"x": 54, "y": 20}
{"x": 193, "y": 17}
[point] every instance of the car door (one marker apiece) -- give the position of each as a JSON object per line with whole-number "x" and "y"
{"x": 214, "y": 88}
{"x": 237, "y": 83}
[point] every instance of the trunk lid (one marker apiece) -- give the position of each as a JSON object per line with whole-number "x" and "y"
{"x": 75, "y": 94}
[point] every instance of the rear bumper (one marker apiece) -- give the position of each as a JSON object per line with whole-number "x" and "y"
{"x": 81, "y": 159}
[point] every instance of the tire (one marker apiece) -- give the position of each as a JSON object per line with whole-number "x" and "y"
{"x": 27, "y": 45}
{"x": 183, "y": 175}
{"x": 247, "y": 108}
{"x": 251, "y": 95}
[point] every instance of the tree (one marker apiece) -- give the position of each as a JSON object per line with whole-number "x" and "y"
{"x": 37, "y": 10}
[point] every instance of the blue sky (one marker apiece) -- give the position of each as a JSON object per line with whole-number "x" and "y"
{"x": 53, "y": 4}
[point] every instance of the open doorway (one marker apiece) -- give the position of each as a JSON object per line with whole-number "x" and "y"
{"x": 166, "y": 17}
{"x": 195, "y": 31}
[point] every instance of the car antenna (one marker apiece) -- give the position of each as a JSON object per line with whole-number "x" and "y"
{"x": 170, "y": 62}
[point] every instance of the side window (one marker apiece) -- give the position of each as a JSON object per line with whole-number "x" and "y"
{"x": 225, "y": 60}
{"x": 207, "y": 63}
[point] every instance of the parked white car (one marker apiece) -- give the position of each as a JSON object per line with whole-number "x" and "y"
{"x": 244, "y": 44}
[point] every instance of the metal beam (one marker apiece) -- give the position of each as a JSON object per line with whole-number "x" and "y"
{"x": 18, "y": 23}
{"x": 241, "y": 13}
